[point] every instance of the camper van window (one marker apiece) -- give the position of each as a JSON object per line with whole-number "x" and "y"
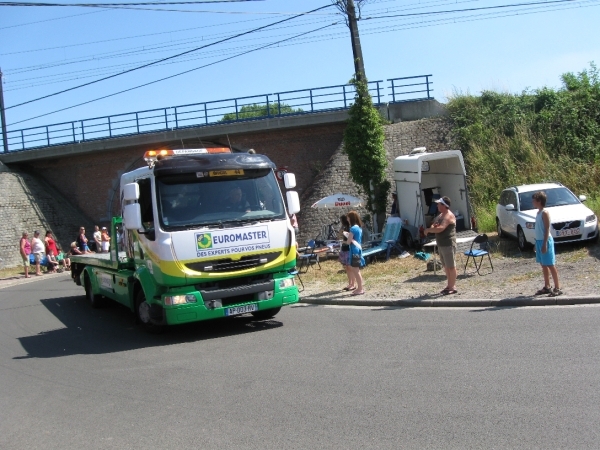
{"x": 186, "y": 201}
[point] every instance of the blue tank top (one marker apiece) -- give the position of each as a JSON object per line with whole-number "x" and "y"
{"x": 539, "y": 227}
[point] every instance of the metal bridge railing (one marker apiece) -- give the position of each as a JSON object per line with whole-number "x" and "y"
{"x": 399, "y": 88}
{"x": 255, "y": 107}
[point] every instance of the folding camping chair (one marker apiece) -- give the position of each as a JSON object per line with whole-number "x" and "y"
{"x": 480, "y": 253}
{"x": 308, "y": 257}
{"x": 389, "y": 240}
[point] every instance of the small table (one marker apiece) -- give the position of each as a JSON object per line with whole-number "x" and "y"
{"x": 433, "y": 244}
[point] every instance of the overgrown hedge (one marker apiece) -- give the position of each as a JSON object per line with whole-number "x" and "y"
{"x": 539, "y": 135}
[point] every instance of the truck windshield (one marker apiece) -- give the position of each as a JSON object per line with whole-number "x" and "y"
{"x": 186, "y": 200}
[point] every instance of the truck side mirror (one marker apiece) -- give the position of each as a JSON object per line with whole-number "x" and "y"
{"x": 132, "y": 216}
{"x": 293, "y": 202}
{"x": 289, "y": 179}
{"x": 510, "y": 207}
{"x": 131, "y": 192}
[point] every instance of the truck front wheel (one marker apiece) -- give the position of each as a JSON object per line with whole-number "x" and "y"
{"x": 266, "y": 313}
{"x": 142, "y": 315}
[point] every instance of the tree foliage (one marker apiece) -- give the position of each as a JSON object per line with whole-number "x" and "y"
{"x": 363, "y": 143}
{"x": 256, "y": 110}
{"x": 538, "y": 135}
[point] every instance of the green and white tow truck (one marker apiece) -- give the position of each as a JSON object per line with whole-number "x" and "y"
{"x": 206, "y": 235}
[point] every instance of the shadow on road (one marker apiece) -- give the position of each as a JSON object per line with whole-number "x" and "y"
{"x": 112, "y": 329}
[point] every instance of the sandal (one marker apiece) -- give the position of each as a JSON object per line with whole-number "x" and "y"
{"x": 349, "y": 288}
{"x": 444, "y": 291}
{"x": 543, "y": 291}
{"x": 358, "y": 292}
{"x": 555, "y": 293}
{"x": 450, "y": 292}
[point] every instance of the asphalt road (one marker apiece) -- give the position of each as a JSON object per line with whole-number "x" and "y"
{"x": 314, "y": 377}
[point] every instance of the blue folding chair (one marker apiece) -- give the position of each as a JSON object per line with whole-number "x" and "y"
{"x": 389, "y": 240}
{"x": 480, "y": 253}
{"x": 308, "y": 257}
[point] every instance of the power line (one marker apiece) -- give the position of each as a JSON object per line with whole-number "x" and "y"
{"x": 374, "y": 30}
{"x": 22, "y": 84}
{"x": 104, "y": 5}
{"x": 175, "y": 75}
{"x": 140, "y": 49}
{"x": 469, "y": 9}
{"x": 168, "y": 58}
{"x": 48, "y": 20}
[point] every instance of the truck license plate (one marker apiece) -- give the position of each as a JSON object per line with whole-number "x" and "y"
{"x": 241, "y": 309}
{"x": 568, "y": 232}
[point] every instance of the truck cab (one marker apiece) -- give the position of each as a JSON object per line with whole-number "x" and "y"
{"x": 206, "y": 235}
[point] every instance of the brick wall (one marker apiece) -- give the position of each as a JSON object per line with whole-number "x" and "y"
{"x": 91, "y": 181}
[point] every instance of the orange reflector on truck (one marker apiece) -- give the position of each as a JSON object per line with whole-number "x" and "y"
{"x": 152, "y": 155}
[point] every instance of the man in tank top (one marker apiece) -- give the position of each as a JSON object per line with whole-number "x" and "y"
{"x": 444, "y": 228}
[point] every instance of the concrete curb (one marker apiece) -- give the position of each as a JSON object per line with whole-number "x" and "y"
{"x": 457, "y": 303}
{"x": 18, "y": 280}
{"x": 442, "y": 301}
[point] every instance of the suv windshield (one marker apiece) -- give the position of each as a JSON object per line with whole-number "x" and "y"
{"x": 186, "y": 201}
{"x": 555, "y": 197}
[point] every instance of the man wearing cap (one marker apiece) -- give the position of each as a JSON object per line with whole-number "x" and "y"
{"x": 444, "y": 227}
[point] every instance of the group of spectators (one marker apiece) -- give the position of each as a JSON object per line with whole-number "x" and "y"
{"x": 444, "y": 230}
{"x": 40, "y": 252}
{"x": 47, "y": 252}
{"x": 100, "y": 242}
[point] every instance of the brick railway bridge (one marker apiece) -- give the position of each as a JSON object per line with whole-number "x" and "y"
{"x": 88, "y": 173}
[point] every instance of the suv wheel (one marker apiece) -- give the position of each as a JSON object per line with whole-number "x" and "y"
{"x": 523, "y": 244}
{"x": 499, "y": 228}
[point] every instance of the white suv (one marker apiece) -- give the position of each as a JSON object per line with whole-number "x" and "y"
{"x": 571, "y": 220}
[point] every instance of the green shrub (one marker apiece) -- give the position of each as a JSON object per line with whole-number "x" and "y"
{"x": 535, "y": 136}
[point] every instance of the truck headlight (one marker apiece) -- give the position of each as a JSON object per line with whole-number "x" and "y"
{"x": 591, "y": 218}
{"x": 180, "y": 299}
{"x": 288, "y": 282}
{"x": 530, "y": 225}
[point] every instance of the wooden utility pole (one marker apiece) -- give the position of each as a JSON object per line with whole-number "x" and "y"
{"x": 359, "y": 64}
{"x": 2, "y": 116}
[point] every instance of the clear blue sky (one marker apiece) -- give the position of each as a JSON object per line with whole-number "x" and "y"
{"x": 44, "y": 50}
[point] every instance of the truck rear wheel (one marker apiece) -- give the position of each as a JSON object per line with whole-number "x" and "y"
{"x": 266, "y": 313}
{"x": 95, "y": 300}
{"x": 142, "y": 315}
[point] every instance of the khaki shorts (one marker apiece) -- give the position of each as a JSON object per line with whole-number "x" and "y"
{"x": 38, "y": 257}
{"x": 25, "y": 260}
{"x": 447, "y": 255}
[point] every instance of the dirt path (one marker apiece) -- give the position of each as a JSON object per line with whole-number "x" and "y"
{"x": 515, "y": 275}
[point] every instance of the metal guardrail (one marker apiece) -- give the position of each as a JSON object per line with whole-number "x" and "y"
{"x": 398, "y": 86}
{"x": 255, "y": 107}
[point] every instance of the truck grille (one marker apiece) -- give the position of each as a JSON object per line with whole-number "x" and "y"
{"x": 229, "y": 265}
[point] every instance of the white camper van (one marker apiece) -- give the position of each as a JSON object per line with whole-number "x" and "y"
{"x": 421, "y": 178}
